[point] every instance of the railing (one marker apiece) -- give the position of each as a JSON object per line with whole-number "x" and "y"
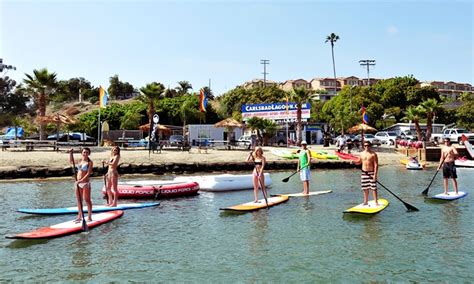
{"x": 31, "y": 145}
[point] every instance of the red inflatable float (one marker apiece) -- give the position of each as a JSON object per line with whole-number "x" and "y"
{"x": 157, "y": 191}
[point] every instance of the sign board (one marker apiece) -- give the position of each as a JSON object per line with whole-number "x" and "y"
{"x": 276, "y": 111}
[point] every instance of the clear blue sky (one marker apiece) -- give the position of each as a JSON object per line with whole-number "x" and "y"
{"x": 170, "y": 41}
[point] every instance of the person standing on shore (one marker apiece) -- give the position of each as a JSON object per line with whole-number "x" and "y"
{"x": 304, "y": 166}
{"x": 82, "y": 185}
{"x": 112, "y": 176}
{"x": 258, "y": 176}
{"x": 448, "y": 155}
{"x": 370, "y": 166}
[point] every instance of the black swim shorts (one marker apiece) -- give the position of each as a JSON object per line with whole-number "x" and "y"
{"x": 449, "y": 170}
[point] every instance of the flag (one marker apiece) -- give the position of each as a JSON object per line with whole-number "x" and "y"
{"x": 365, "y": 116}
{"x": 202, "y": 100}
{"x": 103, "y": 96}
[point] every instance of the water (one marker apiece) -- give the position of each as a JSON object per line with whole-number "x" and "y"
{"x": 303, "y": 240}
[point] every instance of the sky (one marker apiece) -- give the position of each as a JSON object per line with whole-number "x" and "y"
{"x": 223, "y": 41}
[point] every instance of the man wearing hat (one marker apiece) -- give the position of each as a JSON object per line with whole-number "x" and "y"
{"x": 448, "y": 155}
{"x": 304, "y": 166}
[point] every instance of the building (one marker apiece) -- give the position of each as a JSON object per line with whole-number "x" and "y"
{"x": 449, "y": 89}
{"x": 257, "y": 83}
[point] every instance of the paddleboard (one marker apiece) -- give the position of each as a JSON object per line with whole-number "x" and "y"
{"x": 450, "y": 196}
{"x": 371, "y": 208}
{"x": 252, "y": 206}
{"x": 95, "y": 208}
{"x": 300, "y": 194}
{"x": 69, "y": 227}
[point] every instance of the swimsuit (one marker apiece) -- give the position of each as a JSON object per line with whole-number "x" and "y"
{"x": 82, "y": 185}
{"x": 256, "y": 163}
{"x": 83, "y": 167}
{"x": 367, "y": 181}
{"x": 449, "y": 170}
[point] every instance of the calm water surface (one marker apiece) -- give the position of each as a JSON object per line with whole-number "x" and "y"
{"x": 303, "y": 240}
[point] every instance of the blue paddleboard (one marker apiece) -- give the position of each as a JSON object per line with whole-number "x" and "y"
{"x": 450, "y": 196}
{"x": 95, "y": 208}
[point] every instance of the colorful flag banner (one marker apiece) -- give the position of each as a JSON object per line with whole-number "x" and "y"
{"x": 103, "y": 97}
{"x": 365, "y": 116}
{"x": 202, "y": 100}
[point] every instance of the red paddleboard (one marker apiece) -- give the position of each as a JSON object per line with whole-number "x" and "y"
{"x": 69, "y": 227}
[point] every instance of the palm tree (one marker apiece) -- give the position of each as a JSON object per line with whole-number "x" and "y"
{"x": 430, "y": 106}
{"x": 183, "y": 87}
{"x": 299, "y": 96}
{"x": 332, "y": 38}
{"x": 414, "y": 114}
{"x": 187, "y": 111}
{"x": 256, "y": 123}
{"x": 151, "y": 93}
{"x": 41, "y": 84}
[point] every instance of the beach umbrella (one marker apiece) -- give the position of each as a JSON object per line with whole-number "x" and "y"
{"x": 159, "y": 127}
{"x": 362, "y": 127}
{"x": 58, "y": 119}
{"x": 230, "y": 124}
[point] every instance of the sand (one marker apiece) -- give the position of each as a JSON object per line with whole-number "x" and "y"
{"x": 20, "y": 158}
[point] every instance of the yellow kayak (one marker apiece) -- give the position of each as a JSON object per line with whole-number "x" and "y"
{"x": 261, "y": 204}
{"x": 371, "y": 208}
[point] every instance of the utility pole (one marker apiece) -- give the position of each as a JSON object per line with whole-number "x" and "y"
{"x": 264, "y": 62}
{"x": 367, "y": 63}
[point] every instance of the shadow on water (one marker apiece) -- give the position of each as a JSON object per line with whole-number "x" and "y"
{"x": 22, "y": 243}
{"x": 358, "y": 217}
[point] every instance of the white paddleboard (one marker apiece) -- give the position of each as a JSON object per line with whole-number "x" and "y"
{"x": 450, "y": 196}
{"x": 300, "y": 194}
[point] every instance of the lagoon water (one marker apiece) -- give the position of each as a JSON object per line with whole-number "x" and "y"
{"x": 307, "y": 239}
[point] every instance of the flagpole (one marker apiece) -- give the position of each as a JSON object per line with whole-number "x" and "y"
{"x": 98, "y": 126}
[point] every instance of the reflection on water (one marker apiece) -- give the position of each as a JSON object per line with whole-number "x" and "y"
{"x": 304, "y": 239}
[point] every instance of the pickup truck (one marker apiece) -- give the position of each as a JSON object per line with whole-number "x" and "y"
{"x": 455, "y": 135}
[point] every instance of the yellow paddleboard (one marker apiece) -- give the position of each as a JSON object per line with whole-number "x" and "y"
{"x": 261, "y": 204}
{"x": 371, "y": 208}
{"x": 301, "y": 194}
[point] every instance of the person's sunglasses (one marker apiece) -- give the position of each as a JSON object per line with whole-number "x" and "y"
{"x": 366, "y": 145}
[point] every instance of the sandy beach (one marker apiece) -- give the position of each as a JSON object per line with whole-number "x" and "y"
{"x": 17, "y": 158}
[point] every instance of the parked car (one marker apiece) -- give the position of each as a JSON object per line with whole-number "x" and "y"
{"x": 387, "y": 137}
{"x": 346, "y": 136}
{"x": 73, "y": 136}
{"x": 455, "y": 134}
{"x": 245, "y": 141}
{"x": 407, "y": 135}
{"x": 176, "y": 140}
{"x": 368, "y": 137}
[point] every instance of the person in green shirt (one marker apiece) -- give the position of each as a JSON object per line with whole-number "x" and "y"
{"x": 304, "y": 166}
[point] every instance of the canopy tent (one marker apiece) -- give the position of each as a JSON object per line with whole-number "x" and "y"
{"x": 230, "y": 124}
{"x": 159, "y": 127}
{"x": 362, "y": 127}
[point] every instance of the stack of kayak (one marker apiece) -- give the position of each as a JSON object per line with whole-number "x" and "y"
{"x": 346, "y": 156}
{"x": 294, "y": 153}
{"x": 156, "y": 189}
{"x": 285, "y": 153}
{"x": 323, "y": 155}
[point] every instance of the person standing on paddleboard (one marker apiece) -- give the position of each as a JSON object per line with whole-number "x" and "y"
{"x": 258, "y": 177}
{"x": 112, "y": 177}
{"x": 304, "y": 166}
{"x": 448, "y": 155}
{"x": 370, "y": 166}
{"x": 82, "y": 185}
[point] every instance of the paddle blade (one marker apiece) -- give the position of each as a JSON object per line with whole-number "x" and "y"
{"x": 425, "y": 192}
{"x": 285, "y": 179}
{"x": 84, "y": 225}
{"x": 411, "y": 207}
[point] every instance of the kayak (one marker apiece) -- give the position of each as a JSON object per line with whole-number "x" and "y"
{"x": 156, "y": 189}
{"x": 327, "y": 155}
{"x": 300, "y": 194}
{"x": 252, "y": 206}
{"x": 407, "y": 161}
{"x": 287, "y": 154}
{"x": 224, "y": 182}
{"x": 371, "y": 208}
{"x": 346, "y": 156}
{"x": 69, "y": 227}
{"x": 448, "y": 197}
{"x": 95, "y": 209}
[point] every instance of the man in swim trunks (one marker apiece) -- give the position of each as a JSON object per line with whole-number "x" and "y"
{"x": 448, "y": 155}
{"x": 368, "y": 178}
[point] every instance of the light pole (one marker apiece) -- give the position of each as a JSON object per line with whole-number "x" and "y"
{"x": 265, "y": 62}
{"x": 367, "y": 63}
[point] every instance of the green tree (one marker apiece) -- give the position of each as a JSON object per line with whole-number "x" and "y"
{"x": 187, "y": 111}
{"x": 332, "y": 38}
{"x": 150, "y": 94}
{"x": 430, "y": 107}
{"x": 299, "y": 96}
{"x": 465, "y": 112}
{"x": 12, "y": 99}
{"x": 41, "y": 84}
{"x": 257, "y": 124}
{"x": 183, "y": 87}
{"x": 118, "y": 88}
{"x": 415, "y": 114}
{"x": 270, "y": 129}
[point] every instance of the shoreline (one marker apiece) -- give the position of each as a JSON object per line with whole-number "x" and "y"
{"x": 50, "y": 164}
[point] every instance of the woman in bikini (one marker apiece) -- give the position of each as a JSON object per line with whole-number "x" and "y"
{"x": 258, "y": 177}
{"x": 82, "y": 185}
{"x": 112, "y": 177}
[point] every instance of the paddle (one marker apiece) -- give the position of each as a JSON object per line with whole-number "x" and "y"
{"x": 263, "y": 192}
{"x": 408, "y": 206}
{"x": 425, "y": 192}
{"x": 288, "y": 178}
{"x": 84, "y": 224}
